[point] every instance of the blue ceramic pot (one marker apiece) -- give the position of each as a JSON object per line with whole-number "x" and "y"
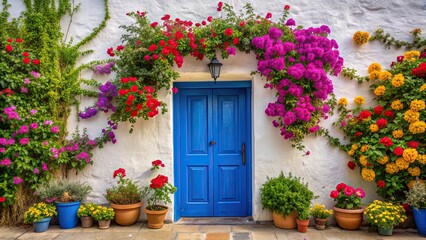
{"x": 420, "y": 220}
{"x": 42, "y": 225}
{"x": 67, "y": 214}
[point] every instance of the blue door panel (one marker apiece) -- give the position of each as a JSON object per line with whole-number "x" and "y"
{"x": 213, "y": 124}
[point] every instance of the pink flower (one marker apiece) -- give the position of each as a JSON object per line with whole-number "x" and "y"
{"x": 231, "y": 51}
{"x": 340, "y": 186}
{"x": 348, "y": 191}
{"x": 5, "y": 162}
{"x": 17, "y": 180}
{"x": 36, "y": 171}
{"x": 359, "y": 193}
{"x": 33, "y": 112}
{"x": 44, "y": 167}
{"x": 334, "y": 194}
{"x": 26, "y": 81}
{"x": 24, "y": 141}
{"x": 35, "y": 74}
{"x": 268, "y": 15}
{"x": 175, "y": 90}
{"x": 54, "y": 129}
{"x": 45, "y": 143}
{"x": 2, "y": 150}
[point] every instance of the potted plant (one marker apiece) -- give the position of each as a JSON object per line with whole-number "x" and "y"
{"x": 416, "y": 198}
{"x": 67, "y": 196}
{"x": 384, "y": 216}
{"x": 303, "y": 221}
{"x": 158, "y": 192}
{"x": 39, "y": 215}
{"x": 348, "y": 211}
{"x": 85, "y": 214}
{"x": 285, "y": 196}
{"x": 125, "y": 198}
{"x": 320, "y": 214}
{"x": 104, "y": 216}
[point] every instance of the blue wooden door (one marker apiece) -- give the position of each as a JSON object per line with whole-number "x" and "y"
{"x": 213, "y": 171}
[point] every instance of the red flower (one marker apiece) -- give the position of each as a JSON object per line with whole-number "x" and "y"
{"x": 398, "y": 151}
{"x": 381, "y": 122}
{"x": 364, "y": 114}
{"x": 9, "y": 40}
{"x": 158, "y": 182}
{"x": 146, "y": 58}
{"x": 120, "y": 171}
{"x": 139, "y": 106}
{"x": 134, "y": 88}
{"x": 220, "y": 4}
{"x": 155, "y": 56}
{"x": 387, "y": 142}
{"x": 132, "y": 79}
{"x": 153, "y": 113}
{"x": 389, "y": 113}
{"x": 134, "y": 113}
{"x": 236, "y": 41}
{"x": 420, "y": 71}
{"x": 166, "y": 17}
{"x": 157, "y": 163}
{"x": 286, "y": 7}
{"x": 110, "y": 51}
{"x": 2, "y": 199}
{"x": 9, "y": 48}
{"x": 179, "y": 35}
{"x": 130, "y": 98}
{"x": 351, "y": 165}
{"x": 154, "y": 24}
{"x": 228, "y": 32}
{"x": 124, "y": 80}
{"x": 334, "y": 194}
{"x": 25, "y": 54}
{"x": 378, "y": 110}
{"x": 268, "y": 15}
{"x": 123, "y": 92}
{"x": 340, "y": 186}
{"x": 120, "y": 47}
{"x": 197, "y": 24}
{"x": 18, "y": 40}
{"x": 172, "y": 43}
{"x": 358, "y": 134}
{"x": 210, "y": 18}
{"x": 203, "y": 23}
{"x": 138, "y": 42}
{"x": 165, "y": 51}
{"x": 152, "y": 47}
{"x": 36, "y": 61}
{"x": 26, "y": 60}
{"x": 381, "y": 184}
{"x": 242, "y": 24}
{"x": 413, "y": 144}
{"x": 148, "y": 89}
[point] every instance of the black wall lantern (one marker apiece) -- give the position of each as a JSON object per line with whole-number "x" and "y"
{"x": 214, "y": 67}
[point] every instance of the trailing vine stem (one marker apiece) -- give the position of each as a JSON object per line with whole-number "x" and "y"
{"x": 388, "y": 40}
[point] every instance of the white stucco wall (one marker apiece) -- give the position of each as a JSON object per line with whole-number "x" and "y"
{"x": 323, "y": 169}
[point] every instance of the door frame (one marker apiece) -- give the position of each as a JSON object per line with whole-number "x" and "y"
{"x": 247, "y": 85}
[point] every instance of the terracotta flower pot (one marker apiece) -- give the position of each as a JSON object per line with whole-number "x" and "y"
{"x": 287, "y": 222}
{"x": 348, "y": 219}
{"x": 126, "y": 215}
{"x": 320, "y": 223}
{"x": 104, "y": 224}
{"x": 156, "y": 218}
{"x": 302, "y": 225}
{"x": 87, "y": 221}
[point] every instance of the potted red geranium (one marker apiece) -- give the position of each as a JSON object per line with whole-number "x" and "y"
{"x": 348, "y": 211}
{"x": 158, "y": 192}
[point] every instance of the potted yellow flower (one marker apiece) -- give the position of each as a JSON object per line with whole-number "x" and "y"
{"x": 384, "y": 216}
{"x": 104, "y": 216}
{"x": 320, "y": 214}
{"x": 84, "y": 212}
{"x": 39, "y": 215}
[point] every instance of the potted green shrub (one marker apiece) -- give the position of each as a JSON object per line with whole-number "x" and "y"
{"x": 67, "y": 196}
{"x": 303, "y": 221}
{"x": 416, "y": 198}
{"x": 285, "y": 196}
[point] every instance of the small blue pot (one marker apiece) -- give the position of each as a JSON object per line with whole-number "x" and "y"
{"x": 420, "y": 220}
{"x": 42, "y": 225}
{"x": 67, "y": 214}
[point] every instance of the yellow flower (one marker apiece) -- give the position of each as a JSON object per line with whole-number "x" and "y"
{"x": 359, "y": 100}
{"x": 368, "y": 174}
{"x": 391, "y": 168}
{"x": 380, "y": 90}
{"x": 417, "y": 127}
{"x": 410, "y": 155}
{"x": 411, "y": 55}
{"x": 401, "y": 163}
{"x": 374, "y": 127}
{"x": 343, "y": 101}
{"x": 422, "y": 158}
{"x": 397, "y": 105}
{"x": 398, "y": 134}
{"x": 361, "y": 37}
{"x": 354, "y": 146}
{"x": 385, "y": 76}
{"x": 351, "y": 152}
{"x": 374, "y": 75}
{"x": 363, "y": 160}
{"x": 423, "y": 87}
{"x": 364, "y": 148}
{"x": 417, "y": 105}
{"x": 415, "y": 171}
{"x": 411, "y": 116}
{"x": 383, "y": 160}
{"x": 398, "y": 80}
{"x": 374, "y": 67}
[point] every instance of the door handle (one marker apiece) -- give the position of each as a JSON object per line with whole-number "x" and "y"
{"x": 212, "y": 142}
{"x": 243, "y": 154}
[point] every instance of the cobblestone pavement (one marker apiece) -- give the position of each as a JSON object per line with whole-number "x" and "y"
{"x": 139, "y": 231}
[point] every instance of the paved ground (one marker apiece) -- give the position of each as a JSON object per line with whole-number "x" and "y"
{"x": 140, "y": 231}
